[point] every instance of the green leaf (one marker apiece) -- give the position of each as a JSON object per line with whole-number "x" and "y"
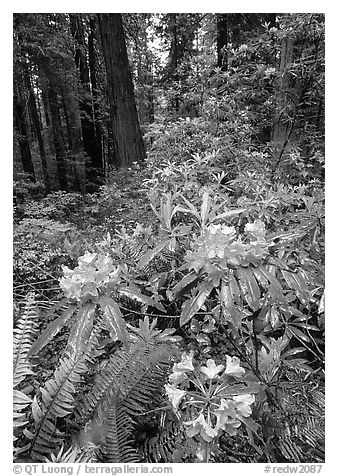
{"x": 249, "y": 287}
{"x": 81, "y": 330}
{"x": 263, "y": 275}
{"x": 187, "y": 280}
{"x": 134, "y": 293}
{"x": 52, "y": 330}
{"x": 205, "y": 207}
{"x": 226, "y": 296}
{"x": 114, "y": 319}
{"x": 191, "y": 306}
{"x": 228, "y": 214}
{"x": 233, "y": 286}
{"x": 298, "y": 333}
{"x": 150, "y": 255}
{"x": 296, "y": 282}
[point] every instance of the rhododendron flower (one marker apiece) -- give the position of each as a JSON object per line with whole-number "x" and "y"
{"x": 243, "y": 403}
{"x": 199, "y": 425}
{"x": 231, "y": 427}
{"x": 94, "y": 270}
{"x": 225, "y": 412}
{"x": 87, "y": 259}
{"x": 185, "y": 364}
{"x": 224, "y": 229}
{"x": 175, "y": 395}
{"x": 177, "y": 377}
{"x": 256, "y": 230}
{"x": 233, "y": 368}
{"x": 212, "y": 370}
{"x": 219, "y": 245}
{"x": 227, "y": 417}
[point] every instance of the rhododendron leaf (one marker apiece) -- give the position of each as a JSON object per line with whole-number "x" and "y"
{"x": 205, "y": 207}
{"x": 150, "y": 255}
{"x": 229, "y": 213}
{"x": 186, "y": 283}
{"x": 81, "y": 330}
{"x": 52, "y": 330}
{"x": 249, "y": 287}
{"x": 263, "y": 273}
{"x": 116, "y": 323}
{"x": 191, "y": 306}
{"x": 195, "y": 325}
{"x": 134, "y": 293}
{"x": 203, "y": 339}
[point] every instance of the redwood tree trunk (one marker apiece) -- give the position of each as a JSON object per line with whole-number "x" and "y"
{"x": 37, "y": 126}
{"x": 91, "y": 145}
{"x": 127, "y": 140}
{"x": 222, "y": 40}
{"x": 93, "y": 81}
{"x": 25, "y": 152}
{"x": 283, "y": 124}
{"x": 59, "y": 145}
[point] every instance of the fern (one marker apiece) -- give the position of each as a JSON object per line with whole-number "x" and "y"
{"x": 130, "y": 384}
{"x": 117, "y": 444}
{"x": 22, "y": 341}
{"x": 166, "y": 446}
{"x": 57, "y": 401}
{"x": 299, "y": 435}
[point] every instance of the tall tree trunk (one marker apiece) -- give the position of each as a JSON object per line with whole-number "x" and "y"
{"x": 37, "y": 126}
{"x": 21, "y": 125}
{"x": 173, "y": 55}
{"x": 222, "y": 40}
{"x": 145, "y": 78}
{"x": 66, "y": 116}
{"x": 127, "y": 139}
{"x": 91, "y": 145}
{"x": 283, "y": 126}
{"x": 59, "y": 145}
{"x": 94, "y": 87}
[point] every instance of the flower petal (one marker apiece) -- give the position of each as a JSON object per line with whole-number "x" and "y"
{"x": 211, "y": 370}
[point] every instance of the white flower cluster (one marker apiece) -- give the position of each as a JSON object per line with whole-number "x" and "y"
{"x": 93, "y": 272}
{"x": 210, "y": 402}
{"x": 222, "y": 242}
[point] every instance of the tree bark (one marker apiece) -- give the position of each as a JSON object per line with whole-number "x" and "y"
{"x": 94, "y": 86}
{"x": 127, "y": 139}
{"x": 145, "y": 78}
{"x": 283, "y": 124}
{"x": 91, "y": 144}
{"x": 25, "y": 152}
{"x": 222, "y": 40}
{"x": 59, "y": 145}
{"x": 37, "y": 126}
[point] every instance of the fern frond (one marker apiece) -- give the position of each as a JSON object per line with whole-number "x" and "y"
{"x": 57, "y": 401}
{"x": 129, "y": 385}
{"x": 164, "y": 447}
{"x": 22, "y": 341}
{"x": 124, "y": 374}
{"x": 117, "y": 444}
{"x": 299, "y": 435}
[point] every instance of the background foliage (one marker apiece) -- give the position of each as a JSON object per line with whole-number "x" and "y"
{"x": 172, "y": 310}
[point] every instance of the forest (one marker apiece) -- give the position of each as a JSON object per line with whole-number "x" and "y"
{"x": 168, "y": 238}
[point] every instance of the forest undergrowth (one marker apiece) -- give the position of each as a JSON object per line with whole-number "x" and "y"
{"x": 176, "y": 315}
{"x": 170, "y": 309}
